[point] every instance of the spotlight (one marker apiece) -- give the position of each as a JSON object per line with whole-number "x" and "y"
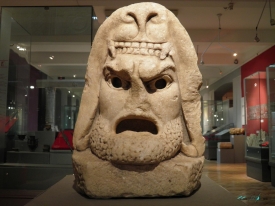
{"x": 272, "y": 22}
{"x": 236, "y": 61}
{"x": 235, "y": 54}
{"x": 207, "y": 86}
{"x": 256, "y": 38}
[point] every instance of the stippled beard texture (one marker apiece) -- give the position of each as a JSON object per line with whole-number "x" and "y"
{"x": 136, "y": 148}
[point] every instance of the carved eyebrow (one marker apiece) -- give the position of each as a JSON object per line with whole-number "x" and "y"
{"x": 121, "y": 73}
{"x": 163, "y": 69}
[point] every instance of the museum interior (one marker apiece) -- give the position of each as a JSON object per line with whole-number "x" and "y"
{"x": 44, "y": 50}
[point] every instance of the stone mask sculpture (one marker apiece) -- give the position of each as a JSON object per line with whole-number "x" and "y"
{"x": 138, "y": 130}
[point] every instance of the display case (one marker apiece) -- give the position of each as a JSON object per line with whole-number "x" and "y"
{"x": 270, "y": 71}
{"x": 212, "y": 115}
{"x": 219, "y": 134}
{"x": 39, "y": 103}
{"x": 257, "y": 133}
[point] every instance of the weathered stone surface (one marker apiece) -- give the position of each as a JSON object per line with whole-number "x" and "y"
{"x": 102, "y": 179}
{"x": 139, "y": 121}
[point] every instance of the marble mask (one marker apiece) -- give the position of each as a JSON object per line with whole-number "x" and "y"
{"x": 140, "y": 107}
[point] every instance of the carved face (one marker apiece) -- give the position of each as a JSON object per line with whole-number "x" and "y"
{"x": 139, "y": 118}
{"x": 142, "y": 78}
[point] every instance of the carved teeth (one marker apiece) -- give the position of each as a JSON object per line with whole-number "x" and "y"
{"x": 124, "y": 50}
{"x": 135, "y": 44}
{"x": 121, "y": 44}
{"x": 127, "y": 44}
{"x": 157, "y": 46}
{"x": 161, "y": 50}
{"x": 150, "y": 45}
{"x": 136, "y": 51}
{"x": 151, "y": 52}
{"x": 166, "y": 48}
{"x": 130, "y": 50}
{"x": 157, "y": 53}
{"x": 144, "y": 51}
{"x": 143, "y": 45}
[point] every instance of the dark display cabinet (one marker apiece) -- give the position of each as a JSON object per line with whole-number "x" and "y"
{"x": 257, "y": 132}
{"x": 270, "y": 71}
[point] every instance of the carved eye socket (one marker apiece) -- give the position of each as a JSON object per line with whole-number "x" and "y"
{"x": 118, "y": 83}
{"x": 159, "y": 83}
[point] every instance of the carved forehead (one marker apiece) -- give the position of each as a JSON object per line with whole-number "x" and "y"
{"x": 144, "y": 66}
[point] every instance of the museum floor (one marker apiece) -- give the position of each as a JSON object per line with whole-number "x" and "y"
{"x": 232, "y": 177}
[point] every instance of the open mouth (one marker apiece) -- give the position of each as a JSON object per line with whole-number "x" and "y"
{"x": 136, "y": 125}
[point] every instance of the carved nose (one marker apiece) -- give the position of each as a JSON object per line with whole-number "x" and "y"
{"x": 138, "y": 98}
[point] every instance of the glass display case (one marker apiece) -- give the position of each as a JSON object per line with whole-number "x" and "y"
{"x": 43, "y": 52}
{"x": 216, "y": 125}
{"x": 212, "y": 115}
{"x": 270, "y": 71}
{"x": 257, "y": 133}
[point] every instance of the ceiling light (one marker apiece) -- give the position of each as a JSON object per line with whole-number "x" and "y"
{"x": 74, "y": 75}
{"x": 206, "y": 83}
{"x": 21, "y": 48}
{"x": 31, "y": 87}
{"x": 51, "y": 57}
{"x": 73, "y": 95}
{"x": 69, "y": 91}
{"x": 219, "y": 42}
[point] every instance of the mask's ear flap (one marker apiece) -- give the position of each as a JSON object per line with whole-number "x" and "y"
{"x": 85, "y": 118}
{"x": 87, "y": 110}
{"x": 190, "y": 80}
{"x": 90, "y": 95}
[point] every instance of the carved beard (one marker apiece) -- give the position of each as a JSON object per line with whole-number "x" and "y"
{"x": 138, "y": 148}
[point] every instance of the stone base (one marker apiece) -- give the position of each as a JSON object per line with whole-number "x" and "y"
{"x": 96, "y": 178}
